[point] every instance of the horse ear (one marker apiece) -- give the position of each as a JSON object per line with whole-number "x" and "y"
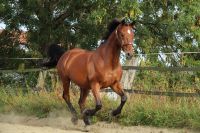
{"x": 133, "y": 23}
{"x": 123, "y": 21}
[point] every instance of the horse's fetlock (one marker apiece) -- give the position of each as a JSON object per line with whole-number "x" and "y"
{"x": 98, "y": 107}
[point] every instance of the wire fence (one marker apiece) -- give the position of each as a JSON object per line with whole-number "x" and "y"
{"x": 32, "y": 75}
{"x": 161, "y": 69}
{"x": 31, "y": 78}
{"x": 158, "y": 93}
{"x": 169, "y": 53}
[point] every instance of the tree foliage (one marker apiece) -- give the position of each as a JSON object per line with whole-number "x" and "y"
{"x": 78, "y": 23}
{"x": 168, "y": 26}
{"x": 162, "y": 26}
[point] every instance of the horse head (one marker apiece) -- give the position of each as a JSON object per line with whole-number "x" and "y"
{"x": 125, "y": 35}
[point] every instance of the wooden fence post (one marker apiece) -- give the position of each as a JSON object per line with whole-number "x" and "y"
{"x": 128, "y": 75}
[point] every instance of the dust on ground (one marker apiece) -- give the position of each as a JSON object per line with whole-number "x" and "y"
{"x": 56, "y": 123}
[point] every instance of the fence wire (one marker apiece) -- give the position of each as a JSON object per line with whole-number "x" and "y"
{"x": 149, "y": 80}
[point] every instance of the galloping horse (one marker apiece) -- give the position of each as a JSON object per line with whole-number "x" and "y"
{"x": 98, "y": 69}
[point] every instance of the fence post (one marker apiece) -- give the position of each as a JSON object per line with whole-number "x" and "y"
{"x": 128, "y": 75}
{"x": 41, "y": 81}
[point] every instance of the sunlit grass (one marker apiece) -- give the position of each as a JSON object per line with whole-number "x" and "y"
{"x": 39, "y": 104}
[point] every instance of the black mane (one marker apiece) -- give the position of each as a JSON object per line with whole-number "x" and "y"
{"x": 111, "y": 27}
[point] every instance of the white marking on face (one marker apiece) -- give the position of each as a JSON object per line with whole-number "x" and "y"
{"x": 129, "y": 31}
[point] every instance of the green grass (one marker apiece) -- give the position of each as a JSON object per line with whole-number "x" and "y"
{"x": 139, "y": 110}
{"x": 155, "y": 111}
{"x": 38, "y": 104}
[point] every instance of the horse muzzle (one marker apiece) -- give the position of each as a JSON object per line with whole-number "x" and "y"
{"x": 129, "y": 56}
{"x": 128, "y": 50}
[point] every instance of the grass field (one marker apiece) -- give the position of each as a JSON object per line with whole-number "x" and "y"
{"x": 156, "y": 111}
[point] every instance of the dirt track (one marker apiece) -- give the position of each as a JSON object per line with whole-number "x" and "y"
{"x": 16, "y": 128}
{"x": 20, "y": 124}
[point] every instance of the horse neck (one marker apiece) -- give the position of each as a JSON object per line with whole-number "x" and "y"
{"x": 110, "y": 51}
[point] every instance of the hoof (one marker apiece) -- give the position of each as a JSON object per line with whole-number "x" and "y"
{"x": 85, "y": 112}
{"x": 86, "y": 117}
{"x": 86, "y": 120}
{"x": 74, "y": 120}
{"x": 115, "y": 112}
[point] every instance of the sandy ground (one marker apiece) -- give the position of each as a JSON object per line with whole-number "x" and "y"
{"x": 12, "y": 123}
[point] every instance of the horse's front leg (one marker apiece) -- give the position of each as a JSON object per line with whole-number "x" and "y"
{"x": 95, "y": 87}
{"x": 117, "y": 87}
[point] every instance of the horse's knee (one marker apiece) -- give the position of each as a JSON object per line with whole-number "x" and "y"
{"x": 63, "y": 96}
{"x": 79, "y": 102}
{"x": 81, "y": 105}
{"x": 66, "y": 97}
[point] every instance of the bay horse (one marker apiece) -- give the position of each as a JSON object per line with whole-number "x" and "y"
{"x": 98, "y": 69}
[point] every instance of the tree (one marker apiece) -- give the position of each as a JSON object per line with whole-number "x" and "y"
{"x": 168, "y": 26}
{"x": 78, "y": 23}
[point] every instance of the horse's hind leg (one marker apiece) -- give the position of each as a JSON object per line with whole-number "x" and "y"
{"x": 90, "y": 112}
{"x": 118, "y": 89}
{"x": 83, "y": 95}
{"x": 66, "y": 96}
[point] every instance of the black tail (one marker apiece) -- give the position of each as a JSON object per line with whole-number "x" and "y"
{"x": 54, "y": 53}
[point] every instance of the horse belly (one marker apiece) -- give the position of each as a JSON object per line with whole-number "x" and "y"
{"x": 108, "y": 80}
{"x": 79, "y": 78}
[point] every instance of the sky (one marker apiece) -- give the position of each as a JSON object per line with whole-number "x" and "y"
{"x": 2, "y": 25}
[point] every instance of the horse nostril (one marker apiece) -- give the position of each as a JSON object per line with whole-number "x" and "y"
{"x": 128, "y": 56}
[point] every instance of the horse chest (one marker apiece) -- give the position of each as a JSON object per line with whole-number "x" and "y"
{"x": 108, "y": 79}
